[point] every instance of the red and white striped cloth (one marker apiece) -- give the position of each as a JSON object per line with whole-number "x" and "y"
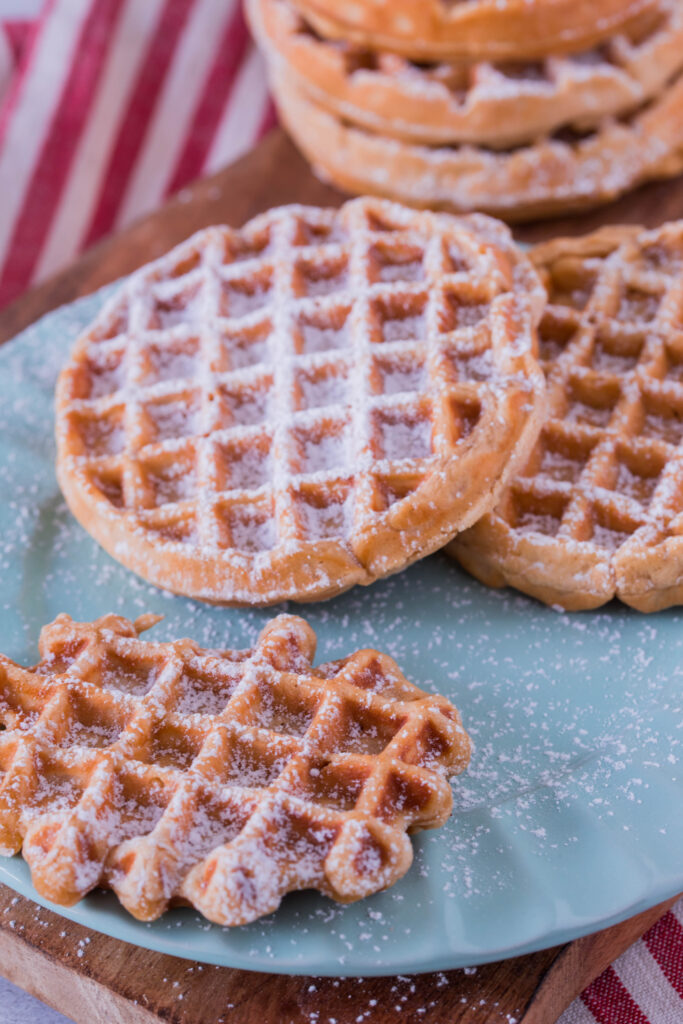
{"x": 644, "y": 986}
{"x": 106, "y": 108}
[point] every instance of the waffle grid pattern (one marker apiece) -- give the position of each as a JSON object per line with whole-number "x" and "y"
{"x": 488, "y": 29}
{"x": 484, "y": 103}
{"x": 287, "y": 385}
{"x": 219, "y": 779}
{"x": 606, "y": 476}
{"x": 557, "y": 173}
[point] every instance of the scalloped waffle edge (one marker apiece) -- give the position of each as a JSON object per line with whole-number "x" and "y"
{"x": 217, "y": 779}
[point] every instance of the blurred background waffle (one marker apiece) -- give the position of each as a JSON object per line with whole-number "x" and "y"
{"x": 521, "y": 124}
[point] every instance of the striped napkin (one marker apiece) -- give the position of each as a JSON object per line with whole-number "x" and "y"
{"x": 107, "y": 107}
{"x": 644, "y": 986}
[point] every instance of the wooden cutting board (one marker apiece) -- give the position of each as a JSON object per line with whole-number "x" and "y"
{"x": 97, "y": 980}
{"x": 269, "y": 175}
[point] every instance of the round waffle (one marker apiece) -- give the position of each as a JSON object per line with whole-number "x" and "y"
{"x": 478, "y": 29}
{"x": 314, "y": 401}
{"x": 496, "y": 105}
{"x": 554, "y": 175}
{"x": 597, "y": 511}
{"x": 218, "y": 779}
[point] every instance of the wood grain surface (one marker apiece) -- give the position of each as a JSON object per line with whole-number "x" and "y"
{"x": 271, "y": 174}
{"x": 97, "y": 980}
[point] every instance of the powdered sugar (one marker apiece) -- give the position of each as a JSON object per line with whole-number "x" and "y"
{"x": 567, "y": 713}
{"x": 404, "y": 328}
{"x": 404, "y": 437}
{"x": 296, "y": 361}
{"x": 322, "y": 339}
{"x": 329, "y": 520}
{"x": 205, "y": 693}
{"x": 172, "y": 419}
{"x": 561, "y": 466}
{"x": 493, "y": 103}
{"x": 323, "y": 452}
{"x": 250, "y": 532}
{"x": 400, "y": 377}
{"x": 168, "y": 362}
{"x": 172, "y": 790}
{"x": 320, "y": 390}
{"x": 105, "y": 436}
{"x": 247, "y": 467}
{"x": 605, "y": 537}
{"x": 537, "y": 522}
{"x": 107, "y": 374}
{"x": 171, "y": 483}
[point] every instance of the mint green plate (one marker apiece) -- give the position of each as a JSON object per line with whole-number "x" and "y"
{"x": 570, "y": 816}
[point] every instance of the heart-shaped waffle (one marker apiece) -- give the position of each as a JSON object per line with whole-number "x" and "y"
{"x": 219, "y": 779}
{"x": 314, "y": 401}
{"x": 598, "y": 510}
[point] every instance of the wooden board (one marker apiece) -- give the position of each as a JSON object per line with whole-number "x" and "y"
{"x": 271, "y": 174}
{"x": 97, "y": 980}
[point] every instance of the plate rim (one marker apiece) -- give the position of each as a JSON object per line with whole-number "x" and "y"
{"x": 237, "y": 961}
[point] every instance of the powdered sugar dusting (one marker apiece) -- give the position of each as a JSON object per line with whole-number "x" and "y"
{"x": 574, "y": 718}
{"x": 604, "y": 480}
{"x": 251, "y": 395}
{"x": 120, "y": 779}
{"x": 489, "y": 103}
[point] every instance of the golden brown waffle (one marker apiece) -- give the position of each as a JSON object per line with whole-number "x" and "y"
{"x": 555, "y": 175}
{"x": 598, "y": 510}
{"x": 478, "y": 29}
{"x": 219, "y": 779}
{"x": 496, "y": 105}
{"x": 314, "y": 401}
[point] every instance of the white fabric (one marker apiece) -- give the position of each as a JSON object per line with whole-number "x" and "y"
{"x": 20, "y": 8}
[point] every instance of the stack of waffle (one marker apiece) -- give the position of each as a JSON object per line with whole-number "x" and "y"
{"x": 522, "y": 108}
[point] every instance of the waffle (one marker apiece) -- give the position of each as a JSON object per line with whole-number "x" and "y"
{"x": 598, "y": 510}
{"x": 218, "y": 779}
{"x": 311, "y": 402}
{"x": 495, "y": 105}
{"x": 479, "y": 29}
{"x": 555, "y": 175}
